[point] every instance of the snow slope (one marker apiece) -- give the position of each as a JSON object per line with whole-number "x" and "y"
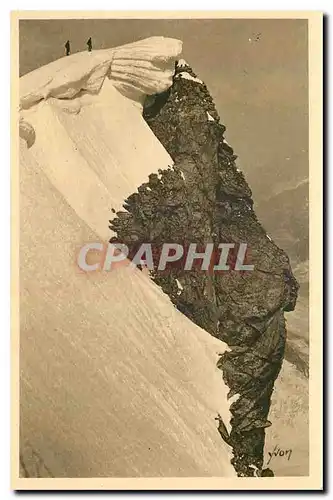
{"x": 95, "y": 147}
{"x": 114, "y": 380}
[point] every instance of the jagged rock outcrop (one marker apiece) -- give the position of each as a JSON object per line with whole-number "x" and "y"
{"x": 203, "y": 198}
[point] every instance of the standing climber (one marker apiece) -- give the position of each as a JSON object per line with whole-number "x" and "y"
{"x": 68, "y": 48}
{"x": 89, "y": 43}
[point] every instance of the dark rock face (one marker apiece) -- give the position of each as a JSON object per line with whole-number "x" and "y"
{"x": 203, "y": 199}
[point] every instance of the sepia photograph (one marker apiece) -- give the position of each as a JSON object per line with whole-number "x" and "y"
{"x": 166, "y": 250}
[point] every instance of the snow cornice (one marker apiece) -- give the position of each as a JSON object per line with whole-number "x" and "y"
{"x": 137, "y": 69}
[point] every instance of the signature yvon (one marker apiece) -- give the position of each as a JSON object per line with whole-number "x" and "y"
{"x": 279, "y": 452}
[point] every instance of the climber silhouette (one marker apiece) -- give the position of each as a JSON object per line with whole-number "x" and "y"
{"x": 89, "y": 43}
{"x": 68, "y": 48}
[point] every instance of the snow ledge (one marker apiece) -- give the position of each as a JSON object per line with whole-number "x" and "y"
{"x": 136, "y": 70}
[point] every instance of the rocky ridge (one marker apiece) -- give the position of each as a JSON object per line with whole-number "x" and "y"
{"x": 204, "y": 198}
